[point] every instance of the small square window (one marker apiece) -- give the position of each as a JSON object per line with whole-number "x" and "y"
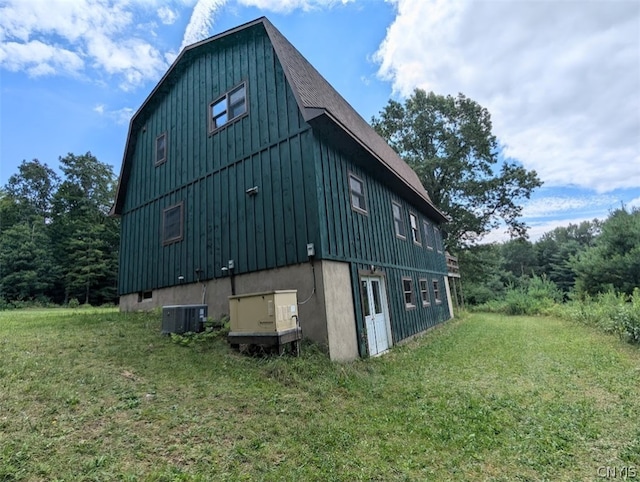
{"x": 436, "y": 291}
{"x": 398, "y": 220}
{"x": 407, "y": 288}
{"x": 229, "y": 107}
{"x": 424, "y": 292}
{"x": 358, "y": 199}
{"x": 172, "y": 224}
{"x": 415, "y": 229}
{"x": 427, "y": 234}
{"x": 161, "y": 148}
{"x": 145, "y": 296}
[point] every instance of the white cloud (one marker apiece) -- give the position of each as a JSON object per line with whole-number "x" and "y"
{"x": 119, "y": 116}
{"x": 201, "y": 21}
{"x": 634, "y": 203}
{"x": 554, "y": 205}
{"x": 167, "y": 16}
{"x": 38, "y": 58}
{"x": 47, "y": 37}
{"x": 559, "y": 78}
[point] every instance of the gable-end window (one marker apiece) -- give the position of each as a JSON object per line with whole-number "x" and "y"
{"x": 436, "y": 291}
{"x": 358, "y": 199}
{"x": 161, "y": 148}
{"x": 407, "y": 288}
{"x": 427, "y": 234}
{"x": 172, "y": 224}
{"x": 228, "y": 107}
{"x": 415, "y": 229}
{"x": 398, "y": 220}
{"x": 424, "y": 292}
{"x": 438, "y": 236}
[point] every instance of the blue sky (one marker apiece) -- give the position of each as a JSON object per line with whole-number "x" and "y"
{"x": 561, "y": 79}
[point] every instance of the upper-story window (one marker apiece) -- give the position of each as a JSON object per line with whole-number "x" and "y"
{"x": 415, "y": 228}
{"x": 356, "y": 188}
{"x": 228, "y": 107}
{"x": 438, "y": 236}
{"x": 398, "y": 220}
{"x": 427, "y": 234}
{"x": 172, "y": 224}
{"x": 161, "y": 148}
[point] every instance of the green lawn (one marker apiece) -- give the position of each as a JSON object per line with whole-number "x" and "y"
{"x": 98, "y": 395}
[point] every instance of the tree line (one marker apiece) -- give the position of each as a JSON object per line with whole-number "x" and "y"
{"x": 57, "y": 241}
{"x": 582, "y": 260}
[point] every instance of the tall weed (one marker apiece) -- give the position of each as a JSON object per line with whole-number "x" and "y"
{"x": 611, "y": 312}
{"x": 534, "y": 296}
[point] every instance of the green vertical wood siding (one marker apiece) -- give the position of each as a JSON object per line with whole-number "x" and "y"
{"x": 369, "y": 239}
{"x": 270, "y": 147}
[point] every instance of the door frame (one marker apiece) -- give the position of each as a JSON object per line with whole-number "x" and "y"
{"x": 384, "y": 300}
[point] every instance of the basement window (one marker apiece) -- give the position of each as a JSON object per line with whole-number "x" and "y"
{"x": 424, "y": 292}
{"x": 436, "y": 291}
{"x": 358, "y": 199}
{"x": 172, "y": 224}
{"x": 407, "y": 288}
{"x": 145, "y": 296}
{"x": 398, "y": 220}
{"x": 415, "y": 229}
{"x": 161, "y": 149}
{"x": 228, "y": 107}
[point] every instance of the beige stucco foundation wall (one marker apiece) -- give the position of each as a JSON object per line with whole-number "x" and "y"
{"x": 326, "y": 316}
{"x": 339, "y": 311}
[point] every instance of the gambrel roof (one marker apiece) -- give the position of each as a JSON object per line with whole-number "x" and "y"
{"x": 321, "y": 106}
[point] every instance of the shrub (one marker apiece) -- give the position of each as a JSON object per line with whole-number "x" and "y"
{"x": 73, "y": 303}
{"x": 611, "y": 312}
{"x": 534, "y": 296}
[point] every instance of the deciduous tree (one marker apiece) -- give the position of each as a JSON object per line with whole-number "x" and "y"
{"x": 449, "y": 142}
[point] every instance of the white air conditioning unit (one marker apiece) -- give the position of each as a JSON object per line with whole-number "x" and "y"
{"x": 183, "y": 318}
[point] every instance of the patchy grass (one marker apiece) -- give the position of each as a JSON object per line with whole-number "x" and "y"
{"x": 99, "y": 395}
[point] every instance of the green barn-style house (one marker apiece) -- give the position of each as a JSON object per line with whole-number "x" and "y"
{"x": 244, "y": 171}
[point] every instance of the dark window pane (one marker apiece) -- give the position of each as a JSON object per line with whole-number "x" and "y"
{"x": 173, "y": 223}
{"x": 365, "y": 299}
{"x": 377, "y": 305}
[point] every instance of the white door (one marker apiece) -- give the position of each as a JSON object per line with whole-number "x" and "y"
{"x": 375, "y": 314}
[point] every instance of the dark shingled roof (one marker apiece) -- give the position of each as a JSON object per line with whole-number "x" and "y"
{"x": 316, "y": 99}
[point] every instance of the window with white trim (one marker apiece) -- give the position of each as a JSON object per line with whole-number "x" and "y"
{"x": 161, "y": 148}
{"x": 398, "y": 220}
{"x": 407, "y": 288}
{"x": 436, "y": 291}
{"x": 228, "y": 107}
{"x": 358, "y": 199}
{"x": 415, "y": 228}
{"x": 424, "y": 292}
{"x": 172, "y": 224}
